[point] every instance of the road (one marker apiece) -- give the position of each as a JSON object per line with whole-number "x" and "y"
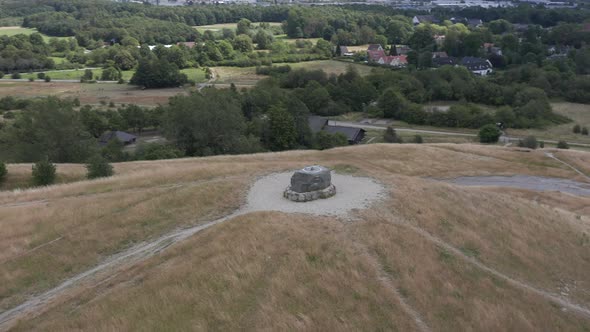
{"x": 436, "y": 132}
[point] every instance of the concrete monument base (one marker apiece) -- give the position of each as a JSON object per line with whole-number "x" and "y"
{"x": 311, "y": 195}
{"x": 310, "y": 183}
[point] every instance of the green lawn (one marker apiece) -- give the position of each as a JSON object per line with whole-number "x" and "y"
{"x": 331, "y": 66}
{"x": 196, "y": 74}
{"x": 12, "y": 31}
{"x": 74, "y": 74}
{"x": 58, "y": 60}
{"x": 221, "y": 26}
{"x": 293, "y": 40}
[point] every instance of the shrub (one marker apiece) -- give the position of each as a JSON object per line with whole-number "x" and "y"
{"x": 31, "y": 79}
{"x": 528, "y": 142}
{"x": 43, "y": 173}
{"x": 3, "y": 171}
{"x": 155, "y": 151}
{"x": 576, "y": 129}
{"x": 541, "y": 144}
{"x": 585, "y": 131}
{"x": 98, "y": 167}
{"x": 390, "y": 136}
{"x": 15, "y": 76}
{"x": 1, "y": 74}
{"x": 325, "y": 140}
{"x": 562, "y": 145}
{"x": 47, "y": 79}
{"x": 41, "y": 76}
{"x": 9, "y": 115}
{"x": 418, "y": 139}
{"x": 489, "y": 134}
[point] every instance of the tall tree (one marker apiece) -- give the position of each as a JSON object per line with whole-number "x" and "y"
{"x": 154, "y": 73}
{"x": 50, "y": 128}
{"x": 206, "y": 124}
{"x": 283, "y": 134}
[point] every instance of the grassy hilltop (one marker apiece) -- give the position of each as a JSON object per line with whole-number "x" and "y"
{"x": 431, "y": 255}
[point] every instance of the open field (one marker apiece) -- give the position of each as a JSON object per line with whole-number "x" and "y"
{"x": 246, "y": 76}
{"x": 196, "y": 74}
{"x": 233, "y": 26}
{"x": 15, "y": 30}
{"x": 293, "y": 40}
{"x": 473, "y": 258}
{"x": 373, "y": 136}
{"x": 91, "y": 93}
{"x": 579, "y": 113}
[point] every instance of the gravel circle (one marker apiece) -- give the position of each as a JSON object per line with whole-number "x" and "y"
{"x": 266, "y": 194}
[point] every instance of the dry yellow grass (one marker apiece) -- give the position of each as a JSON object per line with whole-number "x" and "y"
{"x": 579, "y": 113}
{"x": 279, "y": 271}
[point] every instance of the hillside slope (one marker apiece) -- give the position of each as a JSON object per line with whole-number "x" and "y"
{"x": 429, "y": 256}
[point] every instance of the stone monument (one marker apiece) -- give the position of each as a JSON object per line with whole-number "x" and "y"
{"x": 310, "y": 183}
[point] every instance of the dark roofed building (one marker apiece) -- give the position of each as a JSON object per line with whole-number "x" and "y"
{"x": 353, "y": 135}
{"x": 444, "y": 61}
{"x": 375, "y": 47}
{"x": 375, "y": 56}
{"x": 477, "y": 66}
{"x": 316, "y": 123}
{"x": 122, "y": 136}
{"x": 439, "y": 55}
{"x": 474, "y": 22}
{"x": 425, "y": 19}
{"x": 402, "y": 49}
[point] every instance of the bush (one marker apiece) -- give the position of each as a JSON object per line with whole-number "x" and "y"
{"x": 47, "y": 79}
{"x": 390, "y": 136}
{"x": 155, "y": 151}
{"x": 325, "y": 140}
{"x": 3, "y": 171}
{"x": 585, "y": 131}
{"x": 562, "y": 145}
{"x": 43, "y": 173}
{"x": 31, "y": 79}
{"x": 1, "y": 74}
{"x": 41, "y": 76}
{"x": 576, "y": 129}
{"x": 98, "y": 167}
{"x": 489, "y": 134}
{"x": 418, "y": 139}
{"x": 528, "y": 142}
{"x": 541, "y": 144}
{"x": 15, "y": 76}
{"x": 9, "y": 115}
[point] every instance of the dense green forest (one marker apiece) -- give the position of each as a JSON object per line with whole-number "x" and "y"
{"x": 272, "y": 116}
{"x": 545, "y": 55}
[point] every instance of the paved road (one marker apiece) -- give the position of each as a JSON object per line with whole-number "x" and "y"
{"x": 436, "y": 132}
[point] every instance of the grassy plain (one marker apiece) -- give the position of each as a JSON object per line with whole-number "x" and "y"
{"x": 579, "y": 113}
{"x": 91, "y": 93}
{"x": 16, "y": 30}
{"x": 246, "y": 76}
{"x": 196, "y": 74}
{"x": 280, "y": 271}
{"x": 233, "y": 26}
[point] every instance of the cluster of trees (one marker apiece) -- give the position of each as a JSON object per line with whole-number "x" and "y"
{"x": 44, "y": 172}
{"x": 206, "y": 123}
{"x": 93, "y": 21}
{"x": 399, "y": 95}
{"x": 23, "y": 53}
